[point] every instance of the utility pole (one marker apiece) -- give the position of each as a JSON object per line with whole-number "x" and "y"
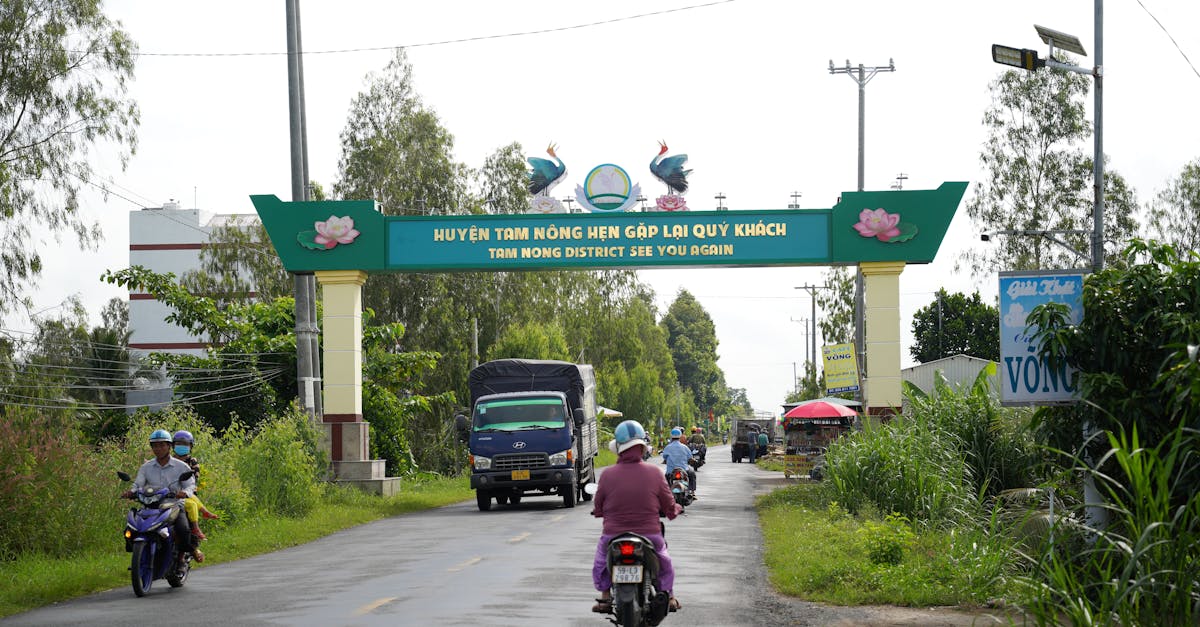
{"x": 861, "y": 75}
{"x": 795, "y": 204}
{"x": 804, "y": 324}
{"x": 900, "y": 178}
{"x": 308, "y": 365}
{"x": 812, "y": 292}
{"x": 720, "y": 201}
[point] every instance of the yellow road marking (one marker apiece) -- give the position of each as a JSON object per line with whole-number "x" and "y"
{"x": 558, "y": 518}
{"x": 371, "y": 607}
{"x": 470, "y": 562}
{"x": 519, "y": 538}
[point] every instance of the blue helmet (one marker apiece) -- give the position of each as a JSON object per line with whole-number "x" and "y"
{"x": 185, "y": 437}
{"x": 676, "y": 433}
{"x": 629, "y": 434}
{"x": 160, "y": 435}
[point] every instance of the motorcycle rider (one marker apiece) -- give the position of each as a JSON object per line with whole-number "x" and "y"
{"x": 676, "y": 455}
{"x": 697, "y": 440}
{"x": 163, "y": 472}
{"x": 630, "y": 497}
{"x": 183, "y": 445}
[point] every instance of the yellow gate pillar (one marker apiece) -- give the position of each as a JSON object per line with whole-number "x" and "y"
{"x": 881, "y": 293}
{"x": 346, "y": 434}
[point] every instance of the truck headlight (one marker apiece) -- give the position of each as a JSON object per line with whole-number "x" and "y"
{"x": 561, "y": 459}
{"x": 481, "y": 463}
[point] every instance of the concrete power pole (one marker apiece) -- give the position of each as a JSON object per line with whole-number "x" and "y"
{"x": 308, "y": 359}
{"x": 861, "y": 75}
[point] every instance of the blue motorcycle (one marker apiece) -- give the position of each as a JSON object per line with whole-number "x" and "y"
{"x": 150, "y": 538}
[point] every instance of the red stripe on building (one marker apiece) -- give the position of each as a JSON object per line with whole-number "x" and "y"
{"x": 335, "y": 436}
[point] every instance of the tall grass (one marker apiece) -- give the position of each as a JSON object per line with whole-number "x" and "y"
{"x": 59, "y": 496}
{"x": 907, "y": 466}
{"x": 1142, "y": 567}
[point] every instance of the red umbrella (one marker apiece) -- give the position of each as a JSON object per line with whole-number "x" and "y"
{"x": 820, "y": 409}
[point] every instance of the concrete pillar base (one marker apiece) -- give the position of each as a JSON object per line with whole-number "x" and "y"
{"x": 387, "y": 486}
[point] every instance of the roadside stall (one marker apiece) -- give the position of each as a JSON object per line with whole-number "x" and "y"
{"x": 808, "y": 429}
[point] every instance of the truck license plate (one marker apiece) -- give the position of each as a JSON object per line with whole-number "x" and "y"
{"x": 520, "y": 475}
{"x": 627, "y": 574}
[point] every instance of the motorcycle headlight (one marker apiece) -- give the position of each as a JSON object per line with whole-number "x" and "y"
{"x": 561, "y": 459}
{"x": 481, "y": 463}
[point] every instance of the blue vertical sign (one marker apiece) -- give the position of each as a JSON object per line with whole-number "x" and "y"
{"x": 1026, "y": 379}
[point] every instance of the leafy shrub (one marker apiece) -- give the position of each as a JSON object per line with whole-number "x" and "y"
{"x": 886, "y": 541}
{"x": 51, "y": 492}
{"x": 279, "y": 465}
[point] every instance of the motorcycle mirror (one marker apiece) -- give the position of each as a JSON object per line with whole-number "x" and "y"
{"x": 591, "y": 488}
{"x": 123, "y": 476}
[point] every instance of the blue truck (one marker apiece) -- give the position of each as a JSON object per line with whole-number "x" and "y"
{"x": 531, "y": 432}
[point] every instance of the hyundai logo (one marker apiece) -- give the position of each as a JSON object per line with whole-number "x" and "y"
{"x": 518, "y": 445}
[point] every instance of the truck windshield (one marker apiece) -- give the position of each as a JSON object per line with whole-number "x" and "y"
{"x": 519, "y": 414}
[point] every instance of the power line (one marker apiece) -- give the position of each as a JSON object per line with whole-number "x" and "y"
{"x": 444, "y": 42}
{"x": 1164, "y": 30}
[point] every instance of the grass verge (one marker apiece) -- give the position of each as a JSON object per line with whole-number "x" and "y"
{"x": 31, "y": 582}
{"x": 815, "y": 550}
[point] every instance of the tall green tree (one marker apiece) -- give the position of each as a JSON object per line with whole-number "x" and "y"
{"x": 1174, "y": 209}
{"x": 692, "y": 338}
{"x": 837, "y": 305}
{"x": 956, "y": 323}
{"x": 64, "y": 68}
{"x": 531, "y": 341}
{"x": 502, "y": 181}
{"x": 396, "y": 152}
{"x": 1039, "y": 177}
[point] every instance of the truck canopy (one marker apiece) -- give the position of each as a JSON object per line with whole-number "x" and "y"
{"x": 534, "y": 375}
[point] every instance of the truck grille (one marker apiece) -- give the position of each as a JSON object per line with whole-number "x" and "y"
{"x": 520, "y": 461}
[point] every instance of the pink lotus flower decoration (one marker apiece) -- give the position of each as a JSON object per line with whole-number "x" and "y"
{"x": 335, "y": 231}
{"x": 878, "y": 223}
{"x": 672, "y": 202}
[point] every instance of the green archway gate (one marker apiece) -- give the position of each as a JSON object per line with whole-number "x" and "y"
{"x": 341, "y": 242}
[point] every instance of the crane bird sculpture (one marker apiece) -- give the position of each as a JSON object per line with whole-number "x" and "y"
{"x": 670, "y": 171}
{"x": 542, "y": 178}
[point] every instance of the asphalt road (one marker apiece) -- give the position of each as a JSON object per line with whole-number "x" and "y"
{"x": 523, "y": 565}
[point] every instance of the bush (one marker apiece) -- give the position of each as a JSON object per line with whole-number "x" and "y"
{"x": 52, "y": 494}
{"x": 886, "y": 541}
{"x": 279, "y": 464}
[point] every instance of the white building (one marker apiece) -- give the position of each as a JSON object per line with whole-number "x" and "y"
{"x": 168, "y": 239}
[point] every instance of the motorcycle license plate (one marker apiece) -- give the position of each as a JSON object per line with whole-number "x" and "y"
{"x": 520, "y": 475}
{"x": 627, "y": 574}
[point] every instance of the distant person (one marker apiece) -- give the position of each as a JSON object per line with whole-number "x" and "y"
{"x": 752, "y": 445}
{"x": 763, "y": 441}
{"x": 675, "y": 456}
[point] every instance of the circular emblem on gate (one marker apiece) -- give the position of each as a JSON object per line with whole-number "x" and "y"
{"x": 518, "y": 445}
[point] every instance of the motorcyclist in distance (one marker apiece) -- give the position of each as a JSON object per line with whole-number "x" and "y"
{"x": 676, "y": 455}
{"x": 697, "y": 440}
{"x": 630, "y": 497}
{"x": 163, "y": 472}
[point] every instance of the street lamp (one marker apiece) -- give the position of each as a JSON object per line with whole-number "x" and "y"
{"x": 1048, "y": 234}
{"x": 1027, "y": 59}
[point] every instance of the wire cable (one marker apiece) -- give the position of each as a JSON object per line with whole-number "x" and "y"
{"x": 445, "y": 42}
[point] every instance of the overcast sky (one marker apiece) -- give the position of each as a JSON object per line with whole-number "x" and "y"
{"x": 742, "y": 87}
